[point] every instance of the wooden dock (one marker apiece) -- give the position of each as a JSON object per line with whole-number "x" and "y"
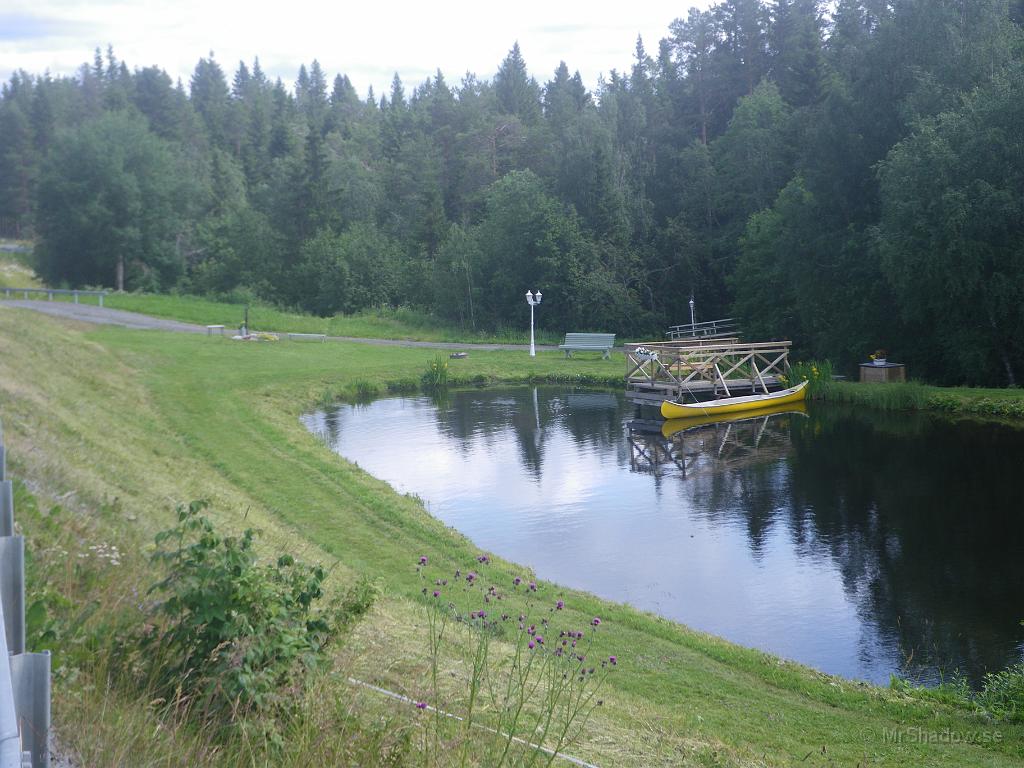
{"x": 697, "y": 369}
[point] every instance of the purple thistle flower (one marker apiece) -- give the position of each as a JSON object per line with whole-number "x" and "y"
{"x": 423, "y": 559}
{"x": 470, "y": 576}
{"x": 559, "y": 605}
{"x": 533, "y": 586}
{"x": 596, "y": 622}
{"x": 613, "y": 660}
{"x": 483, "y": 559}
{"x": 421, "y": 705}
{"x": 540, "y": 639}
{"x": 531, "y": 645}
{"x": 436, "y": 593}
{"x": 481, "y": 614}
{"x": 517, "y": 581}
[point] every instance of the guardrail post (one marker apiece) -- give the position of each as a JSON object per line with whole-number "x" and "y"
{"x": 101, "y": 299}
{"x": 10, "y": 742}
{"x": 6, "y": 508}
{"x": 76, "y": 296}
{"x": 30, "y": 677}
{"x": 12, "y": 591}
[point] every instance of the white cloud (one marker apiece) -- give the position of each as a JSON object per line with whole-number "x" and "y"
{"x": 369, "y": 41}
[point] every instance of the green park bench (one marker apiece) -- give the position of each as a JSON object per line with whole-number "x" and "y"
{"x": 307, "y": 336}
{"x": 588, "y": 342}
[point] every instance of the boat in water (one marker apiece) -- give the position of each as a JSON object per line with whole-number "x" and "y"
{"x": 671, "y": 410}
{"x": 675, "y": 426}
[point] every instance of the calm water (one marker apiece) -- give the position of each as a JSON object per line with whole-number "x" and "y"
{"x": 859, "y": 543}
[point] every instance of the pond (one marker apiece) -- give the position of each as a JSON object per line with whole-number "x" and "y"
{"x": 860, "y": 543}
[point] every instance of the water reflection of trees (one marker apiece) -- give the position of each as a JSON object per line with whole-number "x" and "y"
{"x": 922, "y": 517}
{"x": 919, "y": 515}
{"x": 592, "y": 419}
{"x": 728, "y": 465}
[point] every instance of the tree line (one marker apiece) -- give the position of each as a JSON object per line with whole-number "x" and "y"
{"x": 850, "y": 177}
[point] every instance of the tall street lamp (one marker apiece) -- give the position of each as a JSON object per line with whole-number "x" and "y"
{"x": 533, "y": 301}
{"x": 693, "y": 325}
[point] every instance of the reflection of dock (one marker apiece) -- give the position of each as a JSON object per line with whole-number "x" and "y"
{"x": 697, "y": 446}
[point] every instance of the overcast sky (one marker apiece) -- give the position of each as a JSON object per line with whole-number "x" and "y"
{"x": 369, "y": 41}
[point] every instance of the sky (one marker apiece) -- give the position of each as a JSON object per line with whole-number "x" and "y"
{"x": 369, "y": 41}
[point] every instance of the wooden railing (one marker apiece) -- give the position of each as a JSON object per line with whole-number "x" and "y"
{"x": 676, "y": 366}
{"x": 709, "y": 329}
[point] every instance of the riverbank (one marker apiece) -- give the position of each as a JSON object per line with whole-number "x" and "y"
{"x": 121, "y": 425}
{"x": 914, "y": 396}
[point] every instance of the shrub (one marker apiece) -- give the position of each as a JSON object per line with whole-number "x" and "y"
{"x": 817, "y": 373}
{"x": 232, "y": 637}
{"x": 436, "y": 376}
{"x": 1002, "y": 695}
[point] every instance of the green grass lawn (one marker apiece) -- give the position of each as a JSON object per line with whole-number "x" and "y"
{"x": 379, "y": 324}
{"x": 130, "y": 423}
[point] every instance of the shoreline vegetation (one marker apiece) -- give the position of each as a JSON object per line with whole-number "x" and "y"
{"x": 110, "y": 429}
{"x": 411, "y": 325}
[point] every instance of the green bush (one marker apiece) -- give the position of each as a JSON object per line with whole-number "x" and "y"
{"x": 228, "y": 636}
{"x": 817, "y": 373}
{"x": 1002, "y": 695}
{"x": 436, "y": 376}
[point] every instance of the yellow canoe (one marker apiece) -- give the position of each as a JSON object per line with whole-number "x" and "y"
{"x": 670, "y": 410}
{"x": 673, "y": 426}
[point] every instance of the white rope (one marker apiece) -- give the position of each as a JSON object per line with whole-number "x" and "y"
{"x": 516, "y": 739}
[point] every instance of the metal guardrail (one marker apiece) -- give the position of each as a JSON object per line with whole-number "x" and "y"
{"x": 51, "y": 292}
{"x": 25, "y": 679}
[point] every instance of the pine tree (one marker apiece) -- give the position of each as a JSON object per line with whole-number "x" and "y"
{"x": 517, "y": 93}
{"x": 797, "y": 62}
{"x": 210, "y": 97}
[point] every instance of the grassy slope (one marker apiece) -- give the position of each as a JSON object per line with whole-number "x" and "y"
{"x": 15, "y": 272}
{"x": 156, "y": 418}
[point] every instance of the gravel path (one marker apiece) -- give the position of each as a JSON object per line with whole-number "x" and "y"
{"x": 90, "y": 313}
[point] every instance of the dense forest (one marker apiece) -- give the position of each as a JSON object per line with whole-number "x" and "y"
{"x": 849, "y": 175}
